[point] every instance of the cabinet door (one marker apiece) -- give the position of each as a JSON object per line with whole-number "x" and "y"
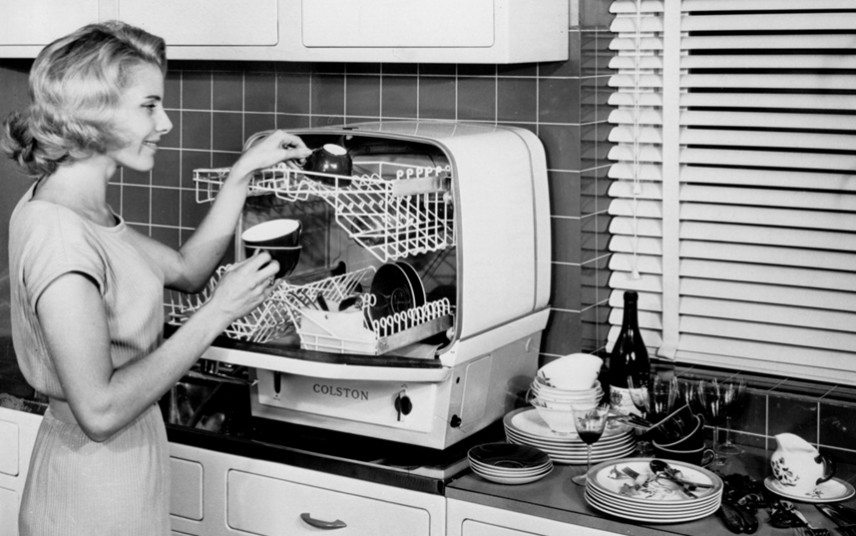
{"x": 271, "y": 506}
{"x": 38, "y": 22}
{"x": 9, "y": 500}
{"x": 205, "y": 22}
{"x": 470, "y": 519}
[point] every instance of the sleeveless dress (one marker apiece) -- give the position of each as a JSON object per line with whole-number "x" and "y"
{"x": 76, "y": 486}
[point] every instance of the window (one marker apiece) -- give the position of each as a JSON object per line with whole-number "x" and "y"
{"x": 734, "y": 185}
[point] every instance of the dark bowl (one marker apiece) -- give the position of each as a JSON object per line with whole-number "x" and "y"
{"x": 332, "y": 159}
{"x": 280, "y": 238}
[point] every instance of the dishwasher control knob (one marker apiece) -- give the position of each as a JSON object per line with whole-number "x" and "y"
{"x": 403, "y": 404}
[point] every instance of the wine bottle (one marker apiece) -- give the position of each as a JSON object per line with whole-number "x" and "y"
{"x": 629, "y": 357}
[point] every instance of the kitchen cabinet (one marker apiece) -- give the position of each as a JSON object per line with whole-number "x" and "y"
{"x": 17, "y": 436}
{"x": 395, "y": 31}
{"x": 470, "y": 519}
{"x": 241, "y": 495}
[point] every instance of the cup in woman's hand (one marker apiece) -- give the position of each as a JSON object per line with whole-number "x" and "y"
{"x": 280, "y": 238}
{"x": 330, "y": 158}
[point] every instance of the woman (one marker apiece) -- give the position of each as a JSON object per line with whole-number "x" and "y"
{"x": 87, "y": 290}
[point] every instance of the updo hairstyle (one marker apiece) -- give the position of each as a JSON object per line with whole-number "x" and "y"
{"x": 75, "y": 84}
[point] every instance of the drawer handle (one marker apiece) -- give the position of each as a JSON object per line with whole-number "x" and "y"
{"x": 319, "y": 524}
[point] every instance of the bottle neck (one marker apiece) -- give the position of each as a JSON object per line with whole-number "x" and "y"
{"x": 631, "y": 319}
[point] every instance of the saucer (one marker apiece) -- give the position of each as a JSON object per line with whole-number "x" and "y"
{"x": 832, "y": 490}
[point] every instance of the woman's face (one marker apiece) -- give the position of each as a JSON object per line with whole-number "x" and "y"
{"x": 140, "y": 119}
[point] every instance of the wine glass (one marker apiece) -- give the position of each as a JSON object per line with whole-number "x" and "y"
{"x": 641, "y": 398}
{"x": 711, "y": 400}
{"x": 590, "y": 423}
{"x": 733, "y": 393}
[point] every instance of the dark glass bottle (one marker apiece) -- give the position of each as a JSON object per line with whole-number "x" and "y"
{"x": 629, "y": 356}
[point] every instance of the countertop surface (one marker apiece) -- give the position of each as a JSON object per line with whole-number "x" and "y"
{"x": 557, "y": 497}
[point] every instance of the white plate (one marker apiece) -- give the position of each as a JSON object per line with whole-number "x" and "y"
{"x": 832, "y": 490}
{"x": 576, "y": 444}
{"x": 654, "y": 508}
{"x": 608, "y": 478}
{"x": 477, "y": 466}
{"x": 526, "y": 421}
{"x": 658, "y": 518}
{"x": 581, "y": 458}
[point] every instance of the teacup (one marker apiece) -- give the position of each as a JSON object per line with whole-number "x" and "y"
{"x": 332, "y": 159}
{"x": 280, "y": 238}
{"x": 699, "y": 456}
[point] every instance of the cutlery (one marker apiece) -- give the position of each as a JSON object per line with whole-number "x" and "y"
{"x": 844, "y": 525}
{"x": 806, "y": 529}
{"x": 661, "y": 467}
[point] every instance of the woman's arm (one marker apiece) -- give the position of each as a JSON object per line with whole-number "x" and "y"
{"x": 103, "y": 399}
{"x": 189, "y": 268}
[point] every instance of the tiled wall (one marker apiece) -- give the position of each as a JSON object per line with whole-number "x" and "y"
{"x": 822, "y": 414}
{"x": 215, "y": 106}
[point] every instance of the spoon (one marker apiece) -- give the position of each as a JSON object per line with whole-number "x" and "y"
{"x": 661, "y": 467}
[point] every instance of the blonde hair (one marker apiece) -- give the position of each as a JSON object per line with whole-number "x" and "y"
{"x": 75, "y": 85}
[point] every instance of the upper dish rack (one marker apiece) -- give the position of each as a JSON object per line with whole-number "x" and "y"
{"x": 394, "y": 211}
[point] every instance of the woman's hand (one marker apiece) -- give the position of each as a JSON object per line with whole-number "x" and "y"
{"x": 245, "y": 286}
{"x": 279, "y": 145}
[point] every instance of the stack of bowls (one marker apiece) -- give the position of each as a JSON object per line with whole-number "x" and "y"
{"x": 555, "y": 404}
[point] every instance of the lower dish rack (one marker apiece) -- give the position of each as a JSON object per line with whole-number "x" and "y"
{"x": 297, "y": 308}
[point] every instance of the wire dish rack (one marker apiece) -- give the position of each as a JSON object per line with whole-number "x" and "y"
{"x": 394, "y": 211}
{"x": 297, "y": 308}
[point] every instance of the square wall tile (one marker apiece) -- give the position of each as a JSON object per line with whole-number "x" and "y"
{"x": 228, "y": 91}
{"x": 169, "y": 236}
{"x": 559, "y": 100}
{"x": 260, "y": 92}
{"x": 838, "y": 424}
{"x": 562, "y": 145}
{"x": 569, "y": 67}
{"x": 196, "y": 90}
{"x": 196, "y": 130}
{"x": 328, "y": 94}
{"x": 362, "y": 96}
{"x": 172, "y": 90}
{"x": 227, "y": 131}
{"x": 516, "y": 99}
{"x": 564, "y": 189}
{"x": 398, "y": 96}
{"x": 293, "y": 93}
{"x": 131, "y": 176}
{"x": 477, "y": 98}
{"x": 437, "y": 96}
{"x": 257, "y": 122}
{"x": 167, "y": 170}
{"x": 565, "y": 286}
{"x": 166, "y": 206}
{"x": 562, "y": 334}
{"x": 135, "y": 204}
{"x": 796, "y": 415}
{"x": 565, "y": 236}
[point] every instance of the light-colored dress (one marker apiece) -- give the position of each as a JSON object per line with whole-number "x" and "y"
{"x": 76, "y": 486}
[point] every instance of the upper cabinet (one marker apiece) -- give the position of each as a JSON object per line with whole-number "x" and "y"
{"x": 403, "y": 31}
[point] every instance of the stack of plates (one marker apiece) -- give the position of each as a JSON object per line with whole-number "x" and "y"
{"x": 509, "y": 464}
{"x": 525, "y": 427}
{"x": 650, "y": 500}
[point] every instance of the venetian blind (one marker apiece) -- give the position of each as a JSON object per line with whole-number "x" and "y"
{"x": 734, "y": 192}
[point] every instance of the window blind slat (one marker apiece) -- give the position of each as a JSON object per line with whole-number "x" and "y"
{"x": 765, "y": 197}
{"x": 779, "y": 217}
{"x": 772, "y": 333}
{"x": 754, "y": 138}
{"x": 766, "y": 61}
{"x": 806, "y": 82}
{"x": 761, "y": 5}
{"x": 769, "y": 120}
{"x": 768, "y": 178}
{"x": 779, "y": 295}
{"x": 771, "y": 314}
{"x": 768, "y": 21}
{"x": 776, "y": 255}
{"x": 764, "y": 273}
{"x": 767, "y": 42}
{"x": 769, "y": 101}
{"x": 767, "y": 236}
{"x": 758, "y": 158}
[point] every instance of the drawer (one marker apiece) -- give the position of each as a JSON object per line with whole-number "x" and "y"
{"x": 271, "y": 506}
{"x": 9, "y": 448}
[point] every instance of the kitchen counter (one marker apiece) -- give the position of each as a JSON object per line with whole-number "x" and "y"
{"x": 556, "y": 497}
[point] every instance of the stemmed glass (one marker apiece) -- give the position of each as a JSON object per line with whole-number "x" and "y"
{"x": 641, "y": 398}
{"x": 732, "y": 392}
{"x": 711, "y": 399}
{"x": 590, "y": 423}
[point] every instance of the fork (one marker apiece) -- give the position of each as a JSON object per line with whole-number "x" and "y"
{"x": 807, "y": 529}
{"x": 843, "y": 525}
